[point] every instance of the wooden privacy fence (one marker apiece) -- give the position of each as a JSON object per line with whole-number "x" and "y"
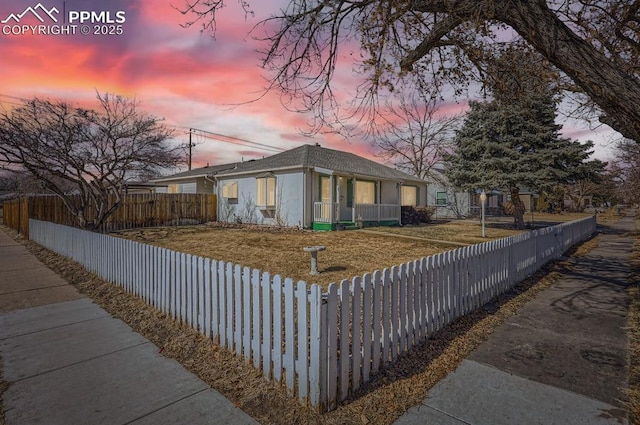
{"x": 322, "y": 345}
{"x": 15, "y": 214}
{"x": 135, "y": 210}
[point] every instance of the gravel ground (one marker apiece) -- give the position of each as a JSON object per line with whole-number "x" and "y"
{"x": 381, "y": 401}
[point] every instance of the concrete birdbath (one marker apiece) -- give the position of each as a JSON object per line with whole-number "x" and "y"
{"x": 313, "y": 250}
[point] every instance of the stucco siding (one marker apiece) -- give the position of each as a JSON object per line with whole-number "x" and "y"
{"x": 289, "y": 200}
{"x": 389, "y": 193}
{"x": 204, "y": 186}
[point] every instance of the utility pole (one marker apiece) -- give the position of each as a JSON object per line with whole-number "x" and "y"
{"x": 190, "y": 145}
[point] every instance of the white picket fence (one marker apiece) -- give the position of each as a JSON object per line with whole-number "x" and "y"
{"x": 323, "y": 346}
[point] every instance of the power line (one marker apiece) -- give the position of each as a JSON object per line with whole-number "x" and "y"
{"x": 230, "y": 139}
{"x": 14, "y": 97}
{"x": 192, "y": 130}
{"x": 21, "y": 99}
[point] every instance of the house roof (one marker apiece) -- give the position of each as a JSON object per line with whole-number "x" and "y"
{"x": 316, "y": 156}
{"x": 305, "y": 156}
{"x": 196, "y": 172}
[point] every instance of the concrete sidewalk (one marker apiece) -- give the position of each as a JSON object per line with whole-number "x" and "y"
{"x": 562, "y": 359}
{"x": 67, "y": 361}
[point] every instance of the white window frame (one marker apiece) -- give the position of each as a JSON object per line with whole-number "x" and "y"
{"x": 230, "y": 190}
{"x": 368, "y": 188}
{"x": 266, "y": 189}
{"x": 414, "y": 196}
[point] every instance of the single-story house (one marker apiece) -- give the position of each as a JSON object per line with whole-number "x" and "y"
{"x": 143, "y": 187}
{"x": 197, "y": 180}
{"x": 308, "y": 186}
{"x": 451, "y": 203}
{"x": 446, "y": 201}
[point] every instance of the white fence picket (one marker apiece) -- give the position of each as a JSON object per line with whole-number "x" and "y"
{"x": 367, "y": 306}
{"x": 356, "y": 327}
{"x": 237, "y": 313}
{"x": 289, "y": 334}
{"x": 266, "y": 325}
{"x": 277, "y": 327}
{"x": 315, "y": 343}
{"x": 228, "y": 283}
{"x": 331, "y": 342}
{"x": 246, "y": 310}
{"x": 222, "y": 304}
{"x": 255, "y": 315}
{"x": 303, "y": 342}
{"x": 345, "y": 331}
{"x": 215, "y": 302}
{"x": 402, "y": 301}
{"x": 377, "y": 323}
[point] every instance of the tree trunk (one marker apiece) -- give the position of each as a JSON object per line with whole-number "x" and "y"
{"x": 517, "y": 208}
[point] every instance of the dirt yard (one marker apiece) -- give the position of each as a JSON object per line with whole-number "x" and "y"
{"x": 348, "y": 253}
{"x": 470, "y": 231}
{"x": 277, "y": 251}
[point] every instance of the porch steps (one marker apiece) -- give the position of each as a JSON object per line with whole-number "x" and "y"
{"x": 347, "y": 225}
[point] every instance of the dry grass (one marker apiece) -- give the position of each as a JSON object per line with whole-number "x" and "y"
{"x": 459, "y": 231}
{"x": 393, "y": 391}
{"x": 279, "y": 251}
{"x": 348, "y": 253}
{"x": 633, "y": 328}
{"x": 470, "y": 231}
{"x": 3, "y": 387}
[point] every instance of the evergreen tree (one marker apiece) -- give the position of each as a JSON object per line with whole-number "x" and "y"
{"x": 517, "y": 144}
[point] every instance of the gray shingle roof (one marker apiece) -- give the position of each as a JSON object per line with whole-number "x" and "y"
{"x": 303, "y": 156}
{"x": 197, "y": 172}
{"x": 316, "y": 156}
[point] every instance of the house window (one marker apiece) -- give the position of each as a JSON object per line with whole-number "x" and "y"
{"x": 441, "y": 198}
{"x": 409, "y": 196}
{"x": 230, "y": 190}
{"x": 325, "y": 189}
{"x": 365, "y": 192}
{"x": 266, "y": 192}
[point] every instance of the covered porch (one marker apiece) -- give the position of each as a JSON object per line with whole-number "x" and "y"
{"x": 327, "y": 215}
{"x": 352, "y": 202}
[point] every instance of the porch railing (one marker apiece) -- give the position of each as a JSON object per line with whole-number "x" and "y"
{"x": 377, "y": 212}
{"x": 322, "y": 212}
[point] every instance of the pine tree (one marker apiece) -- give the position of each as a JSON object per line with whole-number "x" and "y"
{"x": 516, "y": 144}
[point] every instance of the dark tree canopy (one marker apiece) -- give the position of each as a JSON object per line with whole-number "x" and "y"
{"x": 515, "y": 146}
{"x": 70, "y": 150}
{"x": 593, "y": 44}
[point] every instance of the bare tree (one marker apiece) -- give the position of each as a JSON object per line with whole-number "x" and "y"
{"x": 413, "y": 137}
{"x": 594, "y": 44}
{"x": 84, "y": 156}
{"x": 626, "y": 170}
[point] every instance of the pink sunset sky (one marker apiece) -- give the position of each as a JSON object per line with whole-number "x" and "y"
{"x": 182, "y": 75}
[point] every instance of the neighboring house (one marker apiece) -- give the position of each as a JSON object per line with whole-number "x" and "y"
{"x": 144, "y": 187}
{"x": 310, "y": 187}
{"x": 193, "y": 181}
{"x": 445, "y": 200}
{"x": 449, "y": 203}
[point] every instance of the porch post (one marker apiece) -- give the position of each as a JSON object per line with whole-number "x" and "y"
{"x": 331, "y": 198}
{"x": 353, "y": 199}
{"x": 379, "y": 190}
{"x": 399, "y": 197}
